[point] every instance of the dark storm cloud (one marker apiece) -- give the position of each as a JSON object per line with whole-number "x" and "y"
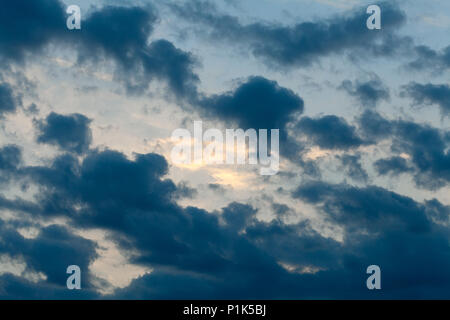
{"x": 304, "y": 43}
{"x": 392, "y": 166}
{"x": 68, "y": 132}
{"x": 429, "y": 94}
{"x": 329, "y": 132}
{"x": 368, "y": 93}
{"x": 8, "y": 102}
{"x": 352, "y": 167}
{"x": 117, "y": 33}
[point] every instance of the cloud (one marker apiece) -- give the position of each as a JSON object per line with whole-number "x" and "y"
{"x": 8, "y": 102}
{"x": 26, "y": 27}
{"x": 428, "y": 58}
{"x": 217, "y": 188}
{"x": 256, "y": 103}
{"x": 131, "y": 199}
{"x": 32, "y": 109}
{"x": 353, "y": 168}
{"x": 237, "y": 215}
{"x": 428, "y": 149}
{"x": 405, "y": 224}
{"x": 227, "y": 252}
{"x": 18, "y": 288}
{"x": 50, "y": 253}
{"x": 426, "y": 146}
{"x": 392, "y": 166}
{"x": 310, "y": 266}
{"x": 122, "y": 33}
{"x": 429, "y": 94}
{"x": 305, "y": 43}
{"x": 368, "y": 93}
{"x": 280, "y": 209}
{"x": 374, "y": 127}
{"x": 364, "y": 208}
{"x": 438, "y": 212}
{"x": 119, "y": 34}
{"x": 185, "y": 191}
{"x": 10, "y": 160}
{"x": 68, "y": 132}
{"x": 193, "y": 253}
{"x": 329, "y": 132}
{"x": 10, "y": 157}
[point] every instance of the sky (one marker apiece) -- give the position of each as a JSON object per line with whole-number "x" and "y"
{"x": 87, "y": 177}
